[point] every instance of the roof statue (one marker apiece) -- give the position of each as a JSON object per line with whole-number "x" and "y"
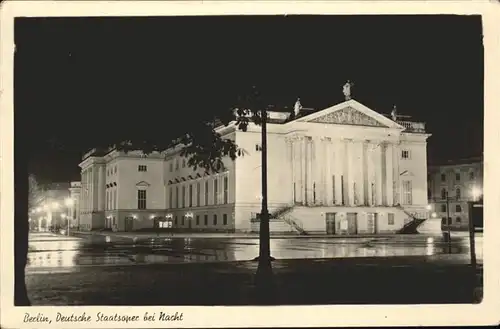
{"x": 394, "y": 113}
{"x": 347, "y": 89}
{"x": 297, "y": 107}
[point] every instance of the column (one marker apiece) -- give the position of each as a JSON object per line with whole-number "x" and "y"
{"x": 338, "y": 169}
{"x": 396, "y": 171}
{"x": 360, "y": 179}
{"x": 101, "y": 197}
{"x": 389, "y": 174}
{"x": 289, "y": 169}
{"x": 348, "y": 177}
{"x": 328, "y": 172}
{"x": 378, "y": 174}
{"x": 303, "y": 181}
{"x": 370, "y": 168}
{"x": 366, "y": 183}
{"x": 309, "y": 172}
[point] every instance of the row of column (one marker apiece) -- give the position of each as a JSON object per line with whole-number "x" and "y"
{"x": 341, "y": 172}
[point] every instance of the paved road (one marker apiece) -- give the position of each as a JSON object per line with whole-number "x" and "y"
{"x": 171, "y": 271}
{"x": 56, "y": 253}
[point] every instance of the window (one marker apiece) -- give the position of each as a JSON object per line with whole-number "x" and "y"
{"x": 390, "y": 219}
{"x": 215, "y": 191}
{"x": 142, "y": 168}
{"x": 182, "y": 220}
{"x": 116, "y": 169}
{"x": 458, "y": 208}
{"x": 191, "y": 195}
{"x": 226, "y": 183}
{"x": 215, "y": 219}
{"x": 443, "y": 177}
{"x": 224, "y": 219}
{"x": 443, "y": 208}
{"x": 107, "y": 200}
{"x": 170, "y": 197}
{"x": 197, "y": 220}
{"x": 176, "y": 164}
{"x": 205, "y": 220}
{"x": 444, "y": 194}
{"x": 141, "y": 199}
{"x": 184, "y": 163}
{"x": 405, "y": 154}
{"x": 314, "y": 192}
{"x": 458, "y": 220}
{"x": 471, "y": 175}
{"x": 429, "y": 194}
{"x": 198, "y": 192}
{"x": 171, "y": 166}
{"x": 115, "y": 200}
{"x": 206, "y": 193}
{"x": 175, "y": 220}
{"x": 177, "y": 196}
{"x": 457, "y": 177}
{"x": 458, "y": 193}
{"x": 183, "y": 196}
{"x": 407, "y": 192}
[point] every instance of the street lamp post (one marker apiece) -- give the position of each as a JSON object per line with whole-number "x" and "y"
{"x": 69, "y": 203}
{"x": 64, "y": 216}
{"x": 264, "y": 266}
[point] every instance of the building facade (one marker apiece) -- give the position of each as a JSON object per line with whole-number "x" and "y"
{"x": 73, "y": 207}
{"x": 50, "y": 207}
{"x": 451, "y": 186}
{"x": 343, "y": 170}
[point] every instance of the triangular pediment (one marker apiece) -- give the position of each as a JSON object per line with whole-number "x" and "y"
{"x": 142, "y": 184}
{"x": 353, "y": 113}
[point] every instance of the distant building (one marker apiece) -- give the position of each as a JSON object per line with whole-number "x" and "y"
{"x": 451, "y": 185}
{"x": 74, "y": 206}
{"x": 51, "y": 206}
{"x": 343, "y": 170}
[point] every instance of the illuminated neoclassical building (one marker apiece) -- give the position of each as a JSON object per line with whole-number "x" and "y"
{"x": 345, "y": 169}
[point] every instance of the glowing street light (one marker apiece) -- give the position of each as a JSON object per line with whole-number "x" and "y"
{"x": 476, "y": 193}
{"x": 55, "y": 205}
{"x": 429, "y": 207}
{"x": 64, "y": 216}
{"x": 434, "y": 215}
{"x": 38, "y": 209}
{"x": 68, "y": 202}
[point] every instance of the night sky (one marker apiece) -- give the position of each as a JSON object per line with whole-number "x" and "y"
{"x": 81, "y": 81}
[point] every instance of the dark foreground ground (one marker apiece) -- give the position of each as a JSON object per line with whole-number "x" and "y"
{"x": 395, "y": 280}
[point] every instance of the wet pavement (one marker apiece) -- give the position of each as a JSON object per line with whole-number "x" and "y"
{"x": 218, "y": 271}
{"x": 56, "y": 253}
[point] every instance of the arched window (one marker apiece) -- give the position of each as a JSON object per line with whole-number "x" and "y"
{"x": 458, "y": 193}
{"x": 443, "y": 194}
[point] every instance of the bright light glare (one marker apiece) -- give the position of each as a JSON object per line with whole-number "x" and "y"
{"x": 434, "y": 215}
{"x": 68, "y": 202}
{"x": 476, "y": 192}
{"x": 63, "y": 216}
{"x": 55, "y": 205}
{"x": 428, "y": 207}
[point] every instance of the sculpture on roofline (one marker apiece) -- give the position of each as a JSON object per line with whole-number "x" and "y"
{"x": 347, "y": 89}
